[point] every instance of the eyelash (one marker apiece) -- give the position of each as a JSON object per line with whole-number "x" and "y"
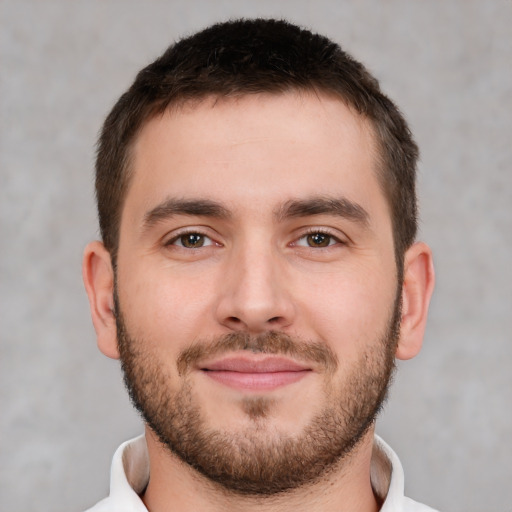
{"x": 312, "y": 231}
{"x": 320, "y": 231}
{"x": 184, "y": 233}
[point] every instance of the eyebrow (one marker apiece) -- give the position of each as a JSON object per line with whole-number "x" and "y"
{"x": 339, "y": 206}
{"x": 193, "y": 207}
{"x": 293, "y": 208}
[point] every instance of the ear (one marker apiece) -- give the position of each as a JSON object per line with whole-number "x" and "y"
{"x": 417, "y": 290}
{"x": 98, "y": 276}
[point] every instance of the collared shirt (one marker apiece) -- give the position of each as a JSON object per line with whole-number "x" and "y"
{"x": 130, "y": 474}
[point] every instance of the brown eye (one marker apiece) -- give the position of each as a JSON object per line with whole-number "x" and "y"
{"x": 192, "y": 241}
{"x": 319, "y": 240}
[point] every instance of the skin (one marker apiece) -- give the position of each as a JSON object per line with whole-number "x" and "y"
{"x": 257, "y": 271}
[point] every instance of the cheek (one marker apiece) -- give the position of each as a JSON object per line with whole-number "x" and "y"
{"x": 352, "y": 310}
{"x": 166, "y": 309}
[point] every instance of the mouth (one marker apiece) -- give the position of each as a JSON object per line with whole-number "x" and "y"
{"x": 262, "y": 373}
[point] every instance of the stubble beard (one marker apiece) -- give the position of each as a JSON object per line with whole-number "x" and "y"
{"x": 258, "y": 461}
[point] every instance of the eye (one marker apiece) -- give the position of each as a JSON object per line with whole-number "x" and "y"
{"x": 191, "y": 241}
{"x": 317, "y": 239}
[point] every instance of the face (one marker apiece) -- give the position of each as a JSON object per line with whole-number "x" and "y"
{"x": 256, "y": 294}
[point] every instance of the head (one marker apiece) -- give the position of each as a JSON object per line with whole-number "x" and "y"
{"x": 249, "y": 57}
{"x": 258, "y": 274}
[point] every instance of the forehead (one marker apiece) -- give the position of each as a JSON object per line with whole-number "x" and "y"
{"x": 258, "y": 149}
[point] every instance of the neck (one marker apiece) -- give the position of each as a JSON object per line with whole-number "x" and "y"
{"x": 174, "y": 484}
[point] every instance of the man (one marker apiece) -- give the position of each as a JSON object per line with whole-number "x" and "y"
{"x": 258, "y": 274}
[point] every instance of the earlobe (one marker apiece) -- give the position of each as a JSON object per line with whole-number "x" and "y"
{"x": 417, "y": 290}
{"x": 98, "y": 276}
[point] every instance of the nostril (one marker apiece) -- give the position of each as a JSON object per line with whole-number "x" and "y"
{"x": 274, "y": 320}
{"x": 234, "y": 319}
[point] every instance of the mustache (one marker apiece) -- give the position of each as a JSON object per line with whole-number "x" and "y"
{"x": 270, "y": 342}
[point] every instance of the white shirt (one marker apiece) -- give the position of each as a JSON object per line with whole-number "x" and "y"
{"x": 129, "y": 476}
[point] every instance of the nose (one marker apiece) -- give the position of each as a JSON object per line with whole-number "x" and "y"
{"x": 254, "y": 295}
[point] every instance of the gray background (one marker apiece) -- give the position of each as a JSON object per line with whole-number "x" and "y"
{"x": 448, "y": 64}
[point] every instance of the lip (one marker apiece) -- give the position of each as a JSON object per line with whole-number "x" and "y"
{"x": 255, "y": 373}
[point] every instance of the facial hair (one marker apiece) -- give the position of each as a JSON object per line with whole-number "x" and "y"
{"x": 256, "y": 461}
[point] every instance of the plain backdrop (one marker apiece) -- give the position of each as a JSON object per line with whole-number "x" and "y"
{"x": 448, "y": 64}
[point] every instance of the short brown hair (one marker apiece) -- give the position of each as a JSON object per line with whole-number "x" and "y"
{"x": 247, "y": 57}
